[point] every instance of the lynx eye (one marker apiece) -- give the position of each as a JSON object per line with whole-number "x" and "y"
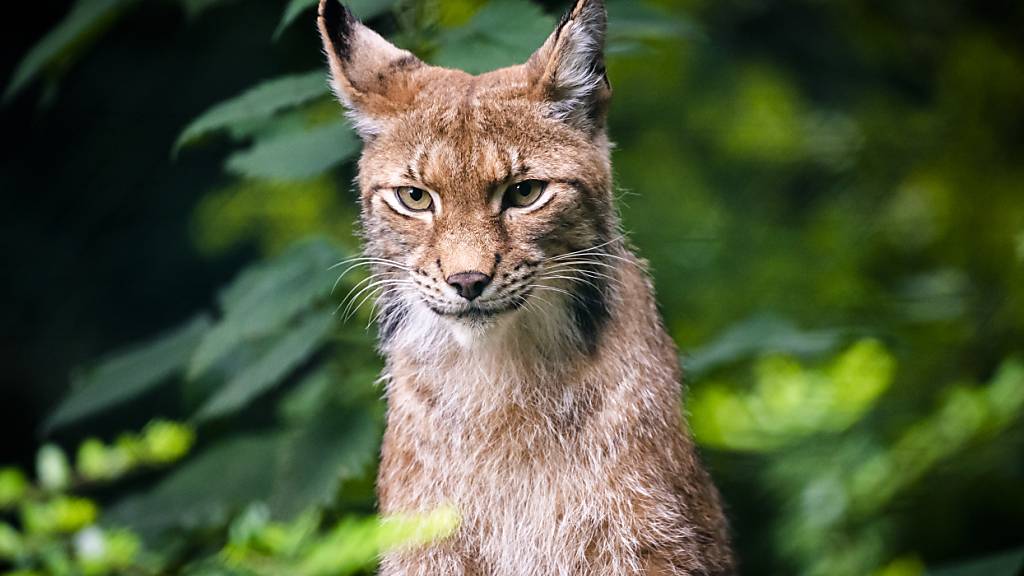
{"x": 524, "y": 193}
{"x": 414, "y": 199}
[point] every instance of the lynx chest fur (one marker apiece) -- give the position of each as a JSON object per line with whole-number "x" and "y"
{"x": 530, "y": 382}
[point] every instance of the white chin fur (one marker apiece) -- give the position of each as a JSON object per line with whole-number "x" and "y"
{"x": 467, "y": 334}
{"x": 425, "y": 334}
{"x": 471, "y": 333}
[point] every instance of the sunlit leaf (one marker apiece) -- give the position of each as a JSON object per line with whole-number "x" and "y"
{"x": 13, "y": 487}
{"x": 490, "y": 41}
{"x": 257, "y": 104}
{"x": 790, "y": 402}
{"x": 130, "y": 373}
{"x": 337, "y": 444}
{"x": 264, "y": 298}
{"x": 296, "y": 155}
{"x": 364, "y": 9}
{"x": 205, "y": 490}
{"x": 52, "y": 468}
{"x": 83, "y": 24}
{"x": 967, "y": 413}
{"x": 284, "y": 355}
{"x": 356, "y": 543}
{"x": 1005, "y": 394}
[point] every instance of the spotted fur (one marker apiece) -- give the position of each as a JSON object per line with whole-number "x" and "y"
{"x": 548, "y": 409}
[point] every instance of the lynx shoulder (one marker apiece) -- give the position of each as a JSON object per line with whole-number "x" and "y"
{"x": 530, "y": 381}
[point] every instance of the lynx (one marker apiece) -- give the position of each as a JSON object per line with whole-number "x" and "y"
{"x": 530, "y": 382}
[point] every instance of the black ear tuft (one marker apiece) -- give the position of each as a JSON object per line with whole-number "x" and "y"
{"x": 561, "y": 23}
{"x": 369, "y": 75}
{"x": 338, "y": 21}
{"x": 570, "y": 67}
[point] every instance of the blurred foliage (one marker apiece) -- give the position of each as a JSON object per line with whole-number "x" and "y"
{"x": 791, "y": 402}
{"x": 60, "y": 534}
{"x": 829, "y": 193}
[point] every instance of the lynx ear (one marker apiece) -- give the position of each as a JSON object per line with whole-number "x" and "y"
{"x": 568, "y": 70}
{"x": 369, "y": 75}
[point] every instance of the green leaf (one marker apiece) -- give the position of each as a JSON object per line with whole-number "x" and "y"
{"x": 214, "y": 566}
{"x": 257, "y": 104}
{"x": 306, "y": 399}
{"x": 297, "y": 155}
{"x": 354, "y": 545}
{"x": 205, "y": 490}
{"x": 83, "y": 24}
{"x": 790, "y": 402}
{"x": 52, "y": 468}
{"x": 291, "y": 12}
{"x": 337, "y": 444}
{"x": 287, "y": 353}
{"x": 13, "y": 486}
{"x": 364, "y": 9}
{"x": 760, "y": 335}
{"x": 129, "y": 373}
{"x": 264, "y": 298}
{"x": 12, "y": 545}
{"x": 630, "y": 23}
{"x": 488, "y": 41}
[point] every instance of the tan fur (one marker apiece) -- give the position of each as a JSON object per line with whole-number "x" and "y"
{"x": 548, "y": 410}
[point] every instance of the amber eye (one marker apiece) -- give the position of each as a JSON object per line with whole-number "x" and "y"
{"x": 414, "y": 199}
{"x": 524, "y": 193}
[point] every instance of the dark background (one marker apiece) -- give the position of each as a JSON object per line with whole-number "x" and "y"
{"x": 852, "y": 167}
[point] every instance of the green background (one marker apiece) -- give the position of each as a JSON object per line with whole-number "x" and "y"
{"x": 830, "y": 195}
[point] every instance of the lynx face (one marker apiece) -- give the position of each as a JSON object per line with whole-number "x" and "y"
{"x": 484, "y": 197}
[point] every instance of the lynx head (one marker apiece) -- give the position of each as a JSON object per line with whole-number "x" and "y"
{"x": 486, "y": 200}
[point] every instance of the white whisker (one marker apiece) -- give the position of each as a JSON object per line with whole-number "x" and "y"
{"x": 364, "y": 260}
{"x": 369, "y": 278}
{"x": 583, "y": 271}
{"x": 554, "y": 289}
{"x": 571, "y": 279}
{"x": 376, "y": 316}
{"x": 351, "y": 300}
{"x": 586, "y": 250}
{"x": 352, "y": 307}
{"x": 581, "y": 261}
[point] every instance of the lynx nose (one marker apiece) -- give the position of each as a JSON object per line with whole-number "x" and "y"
{"x": 469, "y": 285}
